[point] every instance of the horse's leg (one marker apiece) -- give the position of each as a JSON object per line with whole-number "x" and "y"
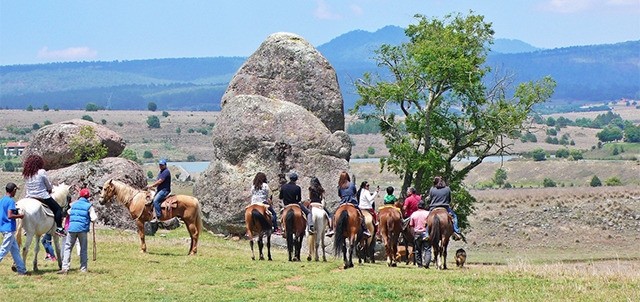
{"x": 143, "y": 244}
{"x": 299, "y": 246}
{"x": 352, "y": 246}
{"x": 253, "y": 255}
{"x": 36, "y": 250}
{"x": 269, "y": 245}
{"x": 56, "y": 245}
{"x": 193, "y": 232}
{"x": 310, "y": 246}
{"x": 260, "y": 246}
{"x": 344, "y": 255}
{"x": 25, "y": 249}
{"x": 324, "y": 257}
{"x": 444, "y": 253}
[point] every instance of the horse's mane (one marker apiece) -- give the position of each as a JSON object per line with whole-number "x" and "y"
{"x": 59, "y": 193}
{"x": 124, "y": 190}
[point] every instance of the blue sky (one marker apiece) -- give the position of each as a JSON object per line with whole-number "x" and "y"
{"x": 72, "y": 30}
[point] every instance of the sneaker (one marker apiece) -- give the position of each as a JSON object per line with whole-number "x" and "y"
{"x": 154, "y": 220}
{"x": 60, "y": 232}
{"x": 62, "y": 272}
{"x": 456, "y": 236}
{"x": 47, "y": 257}
{"x": 312, "y": 230}
{"x": 277, "y": 232}
{"x": 366, "y": 234}
{"x": 330, "y": 233}
{"x": 24, "y": 274}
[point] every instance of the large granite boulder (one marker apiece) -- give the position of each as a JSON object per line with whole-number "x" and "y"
{"x": 258, "y": 134}
{"x": 54, "y": 142}
{"x": 93, "y": 175}
{"x": 286, "y": 67}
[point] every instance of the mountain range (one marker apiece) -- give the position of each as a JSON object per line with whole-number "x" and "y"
{"x": 584, "y": 74}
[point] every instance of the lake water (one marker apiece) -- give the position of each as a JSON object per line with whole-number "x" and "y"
{"x": 192, "y": 167}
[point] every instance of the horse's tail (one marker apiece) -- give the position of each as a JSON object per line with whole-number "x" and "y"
{"x": 19, "y": 232}
{"x": 435, "y": 233}
{"x": 257, "y": 216}
{"x": 289, "y": 221}
{"x": 338, "y": 237}
{"x": 198, "y": 216}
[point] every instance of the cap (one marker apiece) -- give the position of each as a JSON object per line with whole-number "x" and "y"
{"x": 85, "y": 193}
{"x": 293, "y": 176}
{"x": 162, "y": 162}
{"x": 10, "y": 187}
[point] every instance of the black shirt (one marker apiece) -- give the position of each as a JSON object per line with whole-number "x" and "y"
{"x": 290, "y": 193}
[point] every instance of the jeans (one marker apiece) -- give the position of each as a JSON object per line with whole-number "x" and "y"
{"x": 68, "y": 246}
{"x": 9, "y": 244}
{"x": 422, "y": 249}
{"x": 46, "y": 242}
{"x": 274, "y": 217}
{"x": 456, "y": 228}
{"x": 157, "y": 201}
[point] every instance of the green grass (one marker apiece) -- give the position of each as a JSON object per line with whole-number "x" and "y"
{"x": 631, "y": 152}
{"x": 224, "y": 271}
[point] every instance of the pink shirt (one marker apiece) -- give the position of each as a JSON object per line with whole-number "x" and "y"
{"x": 418, "y": 220}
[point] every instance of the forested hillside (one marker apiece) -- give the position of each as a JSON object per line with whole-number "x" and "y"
{"x": 584, "y": 74}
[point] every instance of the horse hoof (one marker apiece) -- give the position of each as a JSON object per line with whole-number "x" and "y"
{"x": 309, "y": 258}
{"x": 346, "y": 267}
{"x": 261, "y": 258}
{"x": 270, "y": 259}
{"x": 14, "y": 268}
{"x": 253, "y": 258}
{"x": 393, "y": 265}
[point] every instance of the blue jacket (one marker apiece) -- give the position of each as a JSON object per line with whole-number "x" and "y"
{"x": 79, "y": 219}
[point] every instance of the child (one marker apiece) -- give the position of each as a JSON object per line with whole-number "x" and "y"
{"x": 390, "y": 198}
{"x": 46, "y": 242}
{"x": 8, "y": 216}
{"x": 81, "y": 214}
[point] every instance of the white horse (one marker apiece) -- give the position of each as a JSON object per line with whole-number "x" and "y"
{"x": 320, "y": 222}
{"x": 37, "y": 222}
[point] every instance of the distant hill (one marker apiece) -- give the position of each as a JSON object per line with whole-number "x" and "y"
{"x": 584, "y": 74}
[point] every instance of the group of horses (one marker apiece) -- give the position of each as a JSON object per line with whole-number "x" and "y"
{"x": 347, "y": 224}
{"x": 348, "y": 235}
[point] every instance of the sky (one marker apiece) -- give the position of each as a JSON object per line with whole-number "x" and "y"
{"x": 33, "y": 32}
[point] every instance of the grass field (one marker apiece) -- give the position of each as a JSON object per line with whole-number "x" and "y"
{"x": 224, "y": 271}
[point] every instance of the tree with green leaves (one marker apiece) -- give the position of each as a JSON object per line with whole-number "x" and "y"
{"x": 152, "y": 106}
{"x": 153, "y": 121}
{"x": 436, "y": 108}
{"x": 86, "y": 146}
{"x": 500, "y": 177}
{"x": 595, "y": 182}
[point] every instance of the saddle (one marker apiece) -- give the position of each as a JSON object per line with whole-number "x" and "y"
{"x": 168, "y": 204}
{"x": 389, "y": 206}
{"x": 45, "y": 207}
{"x": 316, "y": 205}
{"x": 282, "y": 223}
{"x": 267, "y": 213}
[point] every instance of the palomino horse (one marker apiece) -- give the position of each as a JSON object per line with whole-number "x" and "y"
{"x": 186, "y": 207}
{"x": 347, "y": 224}
{"x": 390, "y": 229}
{"x": 440, "y": 227}
{"x": 294, "y": 228}
{"x": 367, "y": 247}
{"x": 37, "y": 222}
{"x": 258, "y": 221}
{"x": 320, "y": 223}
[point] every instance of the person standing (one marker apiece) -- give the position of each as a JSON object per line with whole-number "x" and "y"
{"x": 347, "y": 193}
{"x": 39, "y": 187}
{"x": 163, "y": 183}
{"x": 440, "y": 196}
{"x": 418, "y": 221}
{"x": 81, "y": 214}
{"x": 46, "y": 243}
{"x": 291, "y": 193}
{"x": 8, "y": 216}
{"x": 260, "y": 195}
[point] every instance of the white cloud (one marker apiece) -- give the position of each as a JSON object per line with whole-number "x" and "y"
{"x": 575, "y": 6}
{"x": 356, "y": 9}
{"x": 68, "y": 54}
{"x": 567, "y": 6}
{"x": 323, "y": 12}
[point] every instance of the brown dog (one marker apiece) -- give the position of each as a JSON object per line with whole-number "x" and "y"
{"x": 461, "y": 257}
{"x": 402, "y": 253}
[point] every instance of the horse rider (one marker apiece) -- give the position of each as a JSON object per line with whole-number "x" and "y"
{"x": 440, "y": 196}
{"x": 366, "y": 200}
{"x": 260, "y": 195}
{"x": 39, "y": 187}
{"x": 290, "y": 193}
{"x": 163, "y": 183}
{"x": 316, "y": 195}
{"x": 347, "y": 194}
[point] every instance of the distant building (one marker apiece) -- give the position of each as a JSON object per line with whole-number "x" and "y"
{"x": 15, "y": 148}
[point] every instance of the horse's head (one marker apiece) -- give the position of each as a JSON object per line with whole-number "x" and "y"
{"x": 107, "y": 191}
{"x": 60, "y": 193}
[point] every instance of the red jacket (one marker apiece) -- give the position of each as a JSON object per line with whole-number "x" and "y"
{"x": 411, "y": 204}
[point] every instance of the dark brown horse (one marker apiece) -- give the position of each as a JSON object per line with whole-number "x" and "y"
{"x": 294, "y": 228}
{"x": 407, "y": 234}
{"x": 440, "y": 227}
{"x": 258, "y": 221}
{"x": 183, "y": 206}
{"x": 367, "y": 247}
{"x": 348, "y": 232}
{"x": 390, "y": 229}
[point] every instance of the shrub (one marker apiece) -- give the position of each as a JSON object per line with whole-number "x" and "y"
{"x": 91, "y": 107}
{"x": 130, "y": 155}
{"x": 595, "y": 181}
{"x": 147, "y": 154}
{"x": 149, "y": 174}
{"x": 86, "y": 146}
{"x": 9, "y": 167}
{"x": 165, "y": 114}
{"x": 538, "y": 155}
{"x": 576, "y": 154}
{"x": 500, "y": 177}
{"x": 35, "y": 126}
{"x": 45, "y": 107}
{"x": 371, "y": 150}
{"x": 613, "y": 181}
{"x": 153, "y": 121}
{"x": 178, "y": 130}
{"x": 552, "y": 132}
{"x": 29, "y": 108}
{"x": 191, "y": 157}
{"x": 120, "y": 124}
{"x": 152, "y": 106}
{"x": 548, "y": 183}
{"x": 562, "y": 153}
{"x": 47, "y": 122}
{"x": 103, "y": 121}
{"x": 87, "y": 118}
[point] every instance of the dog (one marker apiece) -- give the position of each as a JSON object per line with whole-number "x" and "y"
{"x": 402, "y": 253}
{"x": 461, "y": 257}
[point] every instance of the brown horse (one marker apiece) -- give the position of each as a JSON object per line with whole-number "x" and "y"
{"x": 347, "y": 224}
{"x": 367, "y": 247}
{"x": 294, "y": 225}
{"x": 440, "y": 227}
{"x": 183, "y": 206}
{"x": 258, "y": 221}
{"x": 390, "y": 229}
{"x": 407, "y": 234}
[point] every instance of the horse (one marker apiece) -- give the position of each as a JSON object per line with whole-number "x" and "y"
{"x": 407, "y": 234}
{"x": 440, "y": 227}
{"x": 258, "y": 221}
{"x": 37, "y": 221}
{"x": 320, "y": 222}
{"x": 347, "y": 224}
{"x": 367, "y": 247}
{"x": 135, "y": 200}
{"x": 390, "y": 229}
{"x": 294, "y": 228}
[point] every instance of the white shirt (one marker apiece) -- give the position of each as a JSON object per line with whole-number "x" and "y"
{"x": 38, "y": 185}
{"x": 366, "y": 199}
{"x": 259, "y": 196}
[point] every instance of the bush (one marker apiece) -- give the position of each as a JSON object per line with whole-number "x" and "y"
{"x": 45, "y": 107}
{"x": 152, "y": 106}
{"x": 91, "y": 107}
{"x": 538, "y": 155}
{"x": 562, "y": 153}
{"x": 130, "y": 155}
{"x": 500, "y": 177}
{"x": 46, "y": 122}
{"x": 86, "y": 146}
{"x": 548, "y": 183}
{"x": 103, "y": 121}
{"x": 371, "y": 150}
{"x": 191, "y": 158}
{"x": 35, "y": 126}
{"x": 595, "y": 181}
{"x": 29, "y": 108}
{"x": 165, "y": 114}
{"x": 87, "y": 118}
{"x": 613, "y": 181}
{"x": 153, "y": 121}
{"x": 9, "y": 167}
{"x": 147, "y": 154}
{"x": 149, "y": 174}
{"x": 576, "y": 154}
{"x": 178, "y": 130}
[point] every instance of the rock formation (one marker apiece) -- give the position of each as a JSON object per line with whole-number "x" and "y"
{"x": 93, "y": 175}
{"x": 280, "y": 114}
{"x": 53, "y": 142}
{"x": 286, "y": 67}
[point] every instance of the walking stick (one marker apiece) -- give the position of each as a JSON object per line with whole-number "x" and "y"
{"x": 94, "y": 239}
